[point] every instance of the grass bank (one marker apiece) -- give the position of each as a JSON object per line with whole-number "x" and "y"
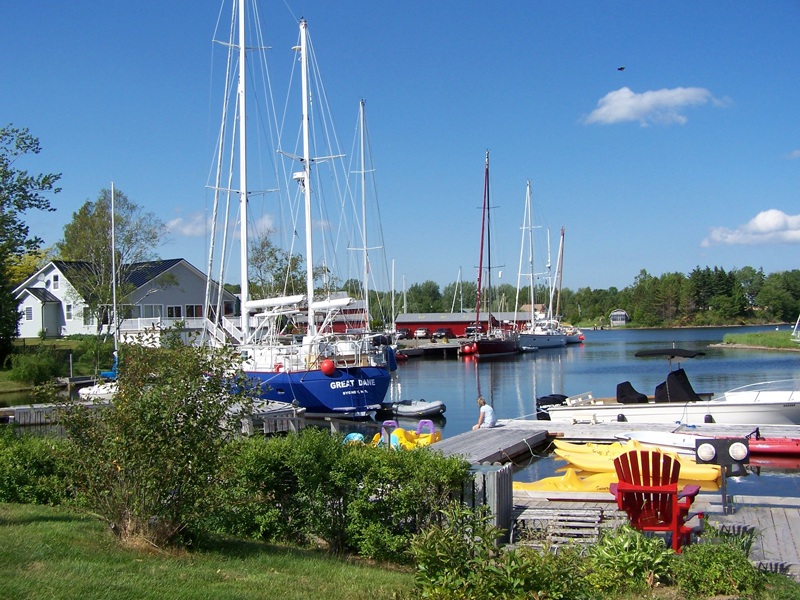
{"x": 764, "y": 339}
{"x": 55, "y": 553}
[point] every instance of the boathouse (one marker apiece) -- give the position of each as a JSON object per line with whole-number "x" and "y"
{"x": 618, "y": 317}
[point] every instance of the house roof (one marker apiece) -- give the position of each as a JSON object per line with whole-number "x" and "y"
{"x": 44, "y": 296}
{"x": 144, "y": 272}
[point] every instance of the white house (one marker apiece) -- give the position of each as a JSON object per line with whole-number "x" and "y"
{"x": 49, "y": 302}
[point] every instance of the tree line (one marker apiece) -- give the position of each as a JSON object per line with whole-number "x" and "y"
{"x": 705, "y": 296}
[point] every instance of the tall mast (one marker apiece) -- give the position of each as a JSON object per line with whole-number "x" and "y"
{"x": 245, "y": 292}
{"x": 483, "y": 232}
{"x": 114, "y": 272}
{"x": 394, "y": 327}
{"x": 559, "y": 269}
{"x": 364, "y": 220}
{"x": 527, "y": 225}
{"x": 312, "y": 324}
{"x": 488, "y": 250}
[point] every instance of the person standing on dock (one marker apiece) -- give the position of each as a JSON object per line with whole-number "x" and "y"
{"x": 486, "y": 418}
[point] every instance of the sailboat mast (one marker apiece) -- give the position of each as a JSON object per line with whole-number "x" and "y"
{"x": 364, "y": 221}
{"x": 312, "y": 324}
{"x": 488, "y": 251}
{"x": 530, "y": 250}
{"x": 559, "y": 270}
{"x": 240, "y": 92}
{"x": 483, "y": 232}
{"x": 114, "y": 272}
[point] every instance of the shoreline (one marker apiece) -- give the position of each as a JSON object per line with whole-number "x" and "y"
{"x": 751, "y": 347}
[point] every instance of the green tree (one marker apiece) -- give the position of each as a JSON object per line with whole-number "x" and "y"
{"x": 87, "y": 239}
{"x": 272, "y": 271}
{"x": 19, "y": 192}
{"x": 425, "y": 297}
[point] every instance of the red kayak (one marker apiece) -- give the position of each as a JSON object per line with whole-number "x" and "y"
{"x": 775, "y": 446}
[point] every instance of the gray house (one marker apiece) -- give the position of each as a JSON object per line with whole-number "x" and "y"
{"x": 49, "y": 302}
{"x": 618, "y": 317}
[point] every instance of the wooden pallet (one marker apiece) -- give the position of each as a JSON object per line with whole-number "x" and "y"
{"x": 550, "y": 527}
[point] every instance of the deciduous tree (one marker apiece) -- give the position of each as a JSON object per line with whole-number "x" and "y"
{"x": 19, "y": 192}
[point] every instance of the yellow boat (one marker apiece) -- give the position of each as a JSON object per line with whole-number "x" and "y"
{"x": 572, "y": 481}
{"x": 614, "y": 449}
{"x": 598, "y": 463}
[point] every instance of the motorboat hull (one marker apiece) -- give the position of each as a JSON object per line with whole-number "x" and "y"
{"x": 349, "y": 391}
{"x": 692, "y": 413}
{"x": 415, "y": 408}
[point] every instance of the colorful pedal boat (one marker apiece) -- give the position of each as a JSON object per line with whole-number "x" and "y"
{"x": 408, "y": 440}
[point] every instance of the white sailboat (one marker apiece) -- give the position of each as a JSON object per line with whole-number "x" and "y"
{"x": 321, "y": 371}
{"x": 533, "y": 335}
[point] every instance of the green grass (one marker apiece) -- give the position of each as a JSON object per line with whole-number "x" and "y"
{"x": 763, "y": 339}
{"x": 54, "y": 553}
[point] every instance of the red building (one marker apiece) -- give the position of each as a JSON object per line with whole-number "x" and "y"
{"x": 458, "y": 322}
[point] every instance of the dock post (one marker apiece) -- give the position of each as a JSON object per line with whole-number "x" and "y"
{"x": 492, "y": 486}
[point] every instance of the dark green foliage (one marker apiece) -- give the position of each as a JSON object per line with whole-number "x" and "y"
{"x": 37, "y": 365}
{"x": 19, "y": 192}
{"x": 150, "y": 462}
{"x": 353, "y": 497}
{"x": 94, "y": 353}
{"x": 716, "y": 569}
{"x": 625, "y": 558}
{"x": 458, "y": 559}
{"x": 31, "y": 468}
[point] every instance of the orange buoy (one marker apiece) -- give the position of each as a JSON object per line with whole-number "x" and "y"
{"x": 466, "y": 349}
{"x": 327, "y": 367}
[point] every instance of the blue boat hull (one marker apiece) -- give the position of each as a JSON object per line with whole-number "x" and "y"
{"x": 353, "y": 391}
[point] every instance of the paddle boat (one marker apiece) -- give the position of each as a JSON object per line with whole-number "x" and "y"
{"x": 400, "y": 438}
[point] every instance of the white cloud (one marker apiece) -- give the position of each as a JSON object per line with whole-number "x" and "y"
{"x": 193, "y": 226}
{"x": 659, "y": 107}
{"x": 768, "y": 227}
{"x": 792, "y": 155}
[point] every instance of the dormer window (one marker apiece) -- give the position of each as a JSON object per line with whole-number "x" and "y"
{"x": 55, "y": 282}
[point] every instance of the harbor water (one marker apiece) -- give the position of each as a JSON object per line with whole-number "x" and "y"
{"x": 511, "y": 384}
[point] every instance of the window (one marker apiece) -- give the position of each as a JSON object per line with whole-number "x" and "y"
{"x": 174, "y": 312}
{"x": 88, "y": 317}
{"x": 55, "y": 282}
{"x": 228, "y": 308}
{"x": 29, "y": 313}
{"x": 68, "y": 311}
{"x": 151, "y": 311}
{"x": 194, "y": 311}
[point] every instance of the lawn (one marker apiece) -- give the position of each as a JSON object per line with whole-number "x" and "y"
{"x": 55, "y": 553}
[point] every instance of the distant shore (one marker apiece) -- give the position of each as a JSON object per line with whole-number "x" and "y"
{"x": 751, "y": 347}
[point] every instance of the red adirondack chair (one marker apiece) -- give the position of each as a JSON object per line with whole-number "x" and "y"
{"x": 648, "y": 492}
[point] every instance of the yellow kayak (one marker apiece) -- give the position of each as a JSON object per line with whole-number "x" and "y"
{"x": 571, "y": 481}
{"x": 614, "y": 449}
{"x": 597, "y": 463}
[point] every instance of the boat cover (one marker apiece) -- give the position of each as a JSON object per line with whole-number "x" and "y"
{"x": 627, "y": 394}
{"x": 676, "y": 389}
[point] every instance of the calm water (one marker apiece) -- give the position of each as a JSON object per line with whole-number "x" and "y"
{"x": 511, "y": 384}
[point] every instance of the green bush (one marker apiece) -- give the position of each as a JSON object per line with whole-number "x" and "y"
{"x": 94, "y": 353}
{"x": 310, "y": 485}
{"x": 31, "y": 468}
{"x": 714, "y": 569}
{"x": 625, "y": 558}
{"x": 150, "y": 462}
{"x": 458, "y": 559}
{"x": 38, "y": 365}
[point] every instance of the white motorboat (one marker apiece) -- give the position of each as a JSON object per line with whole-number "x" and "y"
{"x": 414, "y": 408}
{"x": 768, "y": 403}
{"x": 100, "y": 391}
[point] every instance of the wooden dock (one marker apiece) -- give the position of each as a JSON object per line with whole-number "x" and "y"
{"x": 496, "y": 444}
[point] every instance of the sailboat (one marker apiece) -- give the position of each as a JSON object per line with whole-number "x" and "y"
{"x": 533, "y": 335}
{"x": 324, "y": 372}
{"x": 494, "y": 342}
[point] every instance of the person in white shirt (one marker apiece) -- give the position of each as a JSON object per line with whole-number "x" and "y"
{"x": 486, "y": 418}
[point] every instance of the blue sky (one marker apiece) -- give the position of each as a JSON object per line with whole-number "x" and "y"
{"x": 690, "y": 156}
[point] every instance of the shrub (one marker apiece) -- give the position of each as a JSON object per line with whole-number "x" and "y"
{"x": 149, "y": 462}
{"x": 36, "y": 366}
{"x": 458, "y": 558}
{"x": 94, "y": 353}
{"x": 31, "y": 471}
{"x": 714, "y": 569}
{"x": 310, "y": 485}
{"x": 626, "y": 558}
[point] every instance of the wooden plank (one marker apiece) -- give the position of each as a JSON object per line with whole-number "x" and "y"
{"x": 496, "y": 444}
{"x": 786, "y": 546}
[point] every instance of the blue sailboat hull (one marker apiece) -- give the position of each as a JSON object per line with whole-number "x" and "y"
{"x": 351, "y": 391}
